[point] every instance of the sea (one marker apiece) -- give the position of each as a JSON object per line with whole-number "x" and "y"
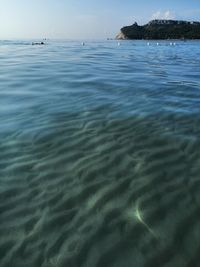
{"x": 99, "y": 153}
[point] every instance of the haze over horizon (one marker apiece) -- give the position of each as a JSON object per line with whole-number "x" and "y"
{"x": 85, "y": 19}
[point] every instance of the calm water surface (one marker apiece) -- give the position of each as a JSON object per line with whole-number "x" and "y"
{"x": 99, "y": 154}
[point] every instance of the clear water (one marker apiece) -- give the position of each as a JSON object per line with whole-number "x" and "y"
{"x": 99, "y": 154}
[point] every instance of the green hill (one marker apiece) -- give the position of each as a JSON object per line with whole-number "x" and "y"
{"x": 162, "y": 29}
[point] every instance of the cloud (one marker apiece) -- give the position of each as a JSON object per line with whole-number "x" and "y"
{"x": 163, "y": 15}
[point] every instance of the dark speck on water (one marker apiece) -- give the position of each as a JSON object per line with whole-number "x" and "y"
{"x": 37, "y": 43}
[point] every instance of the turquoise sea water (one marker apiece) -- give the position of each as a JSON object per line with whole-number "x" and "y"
{"x": 99, "y": 154}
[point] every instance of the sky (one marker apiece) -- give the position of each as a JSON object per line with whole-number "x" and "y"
{"x": 83, "y": 19}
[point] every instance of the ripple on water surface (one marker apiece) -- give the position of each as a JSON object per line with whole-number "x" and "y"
{"x": 99, "y": 154}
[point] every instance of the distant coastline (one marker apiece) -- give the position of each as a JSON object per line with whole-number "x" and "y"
{"x": 161, "y": 30}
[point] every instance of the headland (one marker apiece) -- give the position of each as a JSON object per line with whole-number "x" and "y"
{"x": 161, "y": 29}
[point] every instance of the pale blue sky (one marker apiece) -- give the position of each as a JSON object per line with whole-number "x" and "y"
{"x": 85, "y": 18}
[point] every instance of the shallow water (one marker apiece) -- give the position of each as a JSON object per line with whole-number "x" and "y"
{"x": 99, "y": 154}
